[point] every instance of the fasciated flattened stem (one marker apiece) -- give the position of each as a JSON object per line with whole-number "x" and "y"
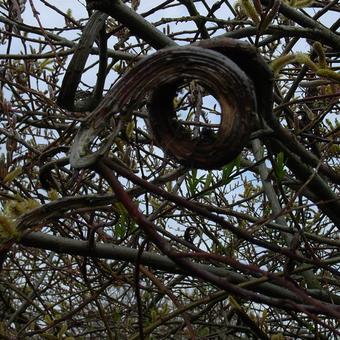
{"x": 161, "y": 74}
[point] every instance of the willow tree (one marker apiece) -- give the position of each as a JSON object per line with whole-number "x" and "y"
{"x": 169, "y": 169}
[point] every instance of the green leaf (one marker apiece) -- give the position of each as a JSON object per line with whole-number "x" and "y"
{"x": 208, "y": 180}
{"x": 44, "y": 63}
{"x": 120, "y": 229}
{"x": 279, "y": 166}
{"x": 192, "y": 182}
{"x": 227, "y": 170}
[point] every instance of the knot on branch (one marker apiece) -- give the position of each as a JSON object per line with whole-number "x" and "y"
{"x": 212, "y": 65}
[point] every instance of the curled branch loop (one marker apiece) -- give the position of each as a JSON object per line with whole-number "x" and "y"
{"x": 159, "y": 77}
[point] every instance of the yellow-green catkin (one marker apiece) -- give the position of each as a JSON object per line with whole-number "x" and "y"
{"x": 329, "y": 74}
{"x": 7, "y": 228}
{"x": 250, "y": 10}
{"x": 14, "y": 209}
{"x": 130, "y": 128}
{"x": 277, "y": 64}
{"x": 291, "y": 3}
{"x": 17, "y": 208}
{"x": 321, "y": 54}
{"x": 53, "y": 194}
{"x": 304, "y": 59}
{"x": 13, "y": 175}
{"x": 301, "y": 3}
